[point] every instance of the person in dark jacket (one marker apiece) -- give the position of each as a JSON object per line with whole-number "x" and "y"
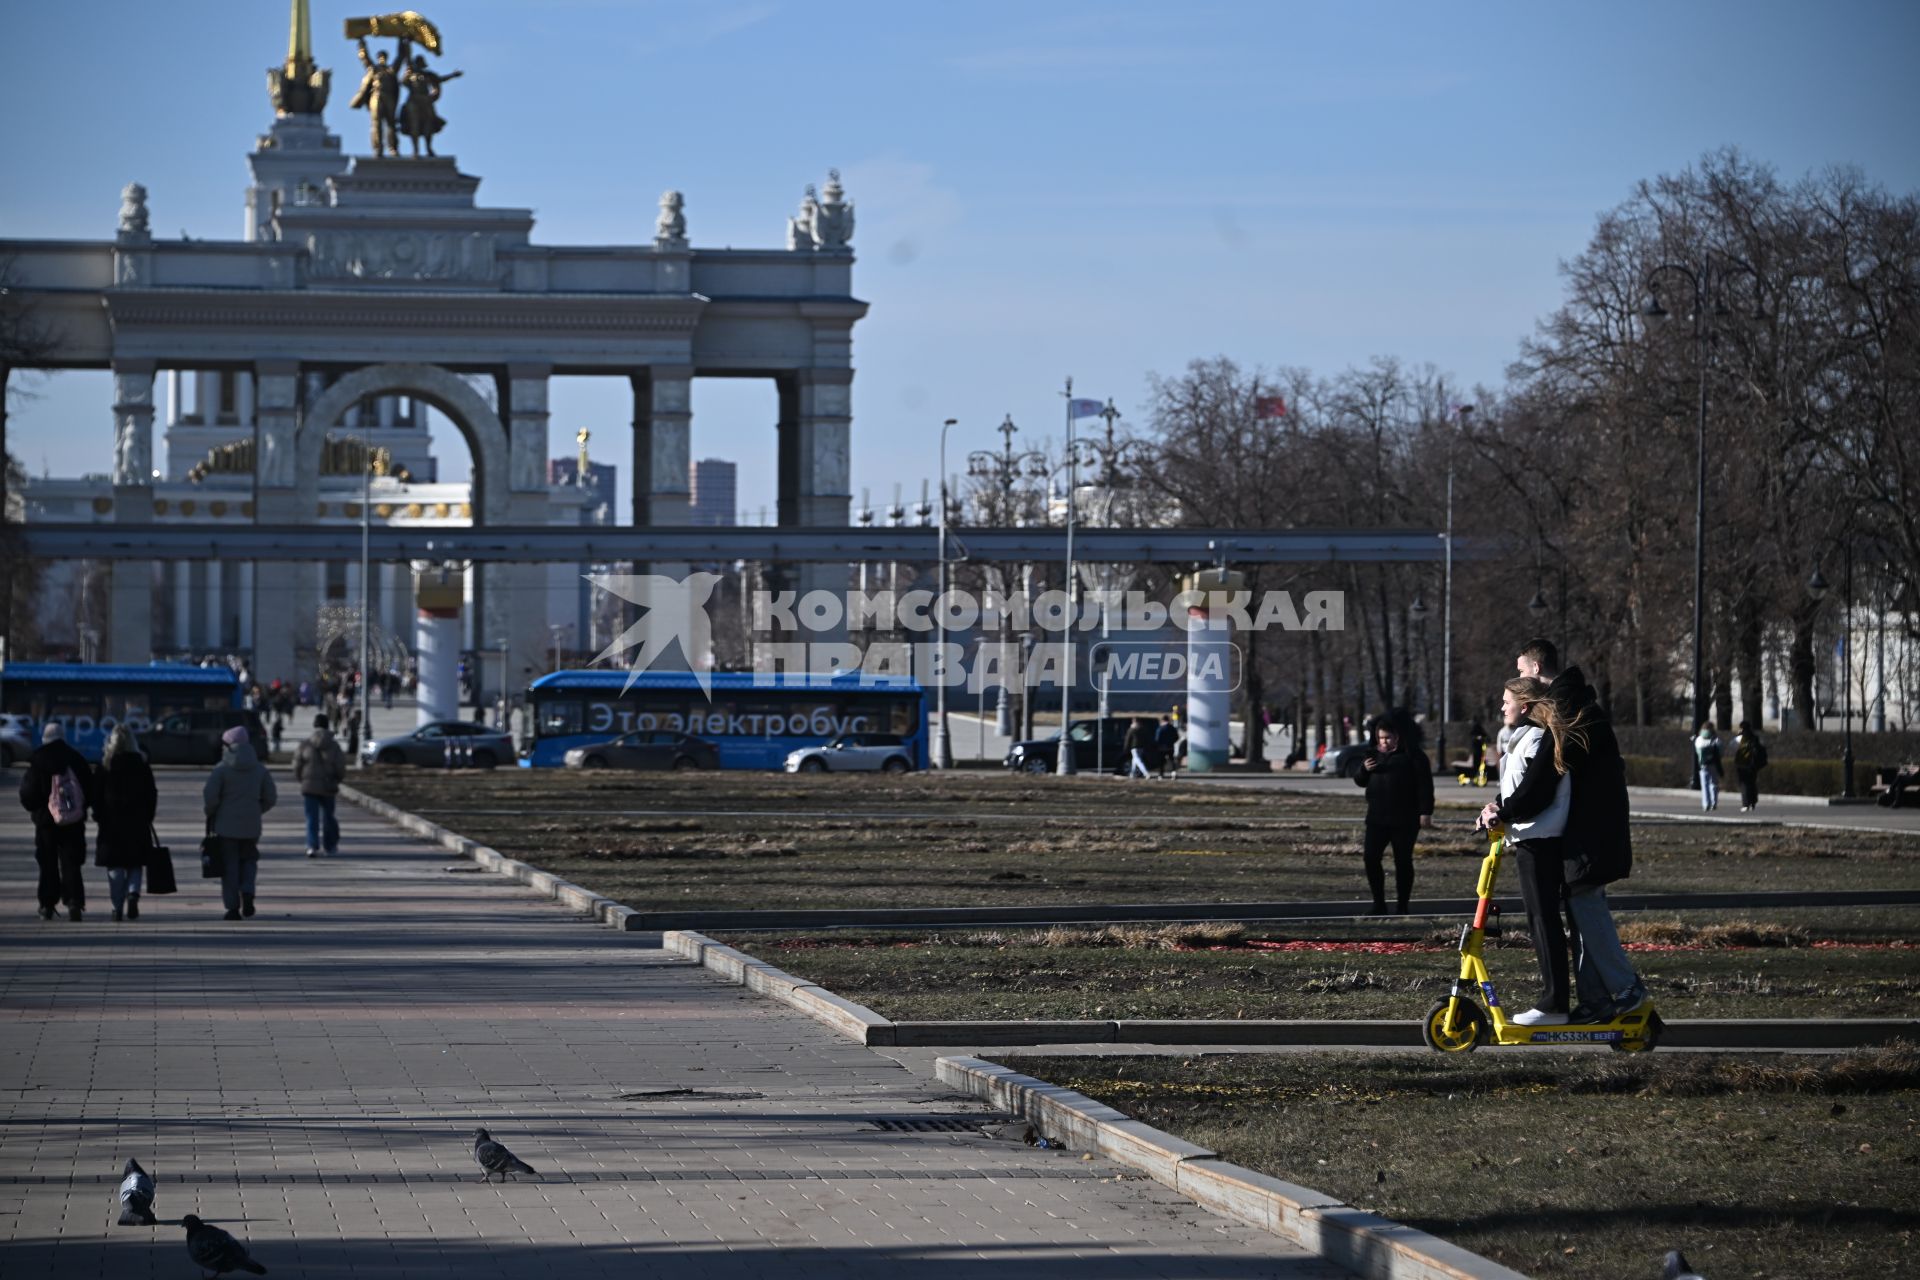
{"x": 320, "y": 767}
{"x": 1598, "y": 846}
{"x": 1166, "y": 746}
{"x": 1749, "y": 758}
{"x": 1399, "y": 783}
{"x": 238, "y": 792}
{"x": 60, "y": 849}
{"x": 1137, "y": 744}
{"x": 125, "y": 801}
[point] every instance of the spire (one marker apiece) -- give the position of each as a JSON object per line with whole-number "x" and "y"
{"x": 300, "y": 38}
{"x": 298, "y": 88}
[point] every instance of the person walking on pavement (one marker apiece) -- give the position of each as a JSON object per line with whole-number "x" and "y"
{"x": 1749, "y": 758}
{"x": 1135, "y": 744}
{"x": 57, "y": 792}
{"x": 1166, "y": 740}
{"x": 1399, "y": 783}
{"x": 238, "y": 792}
{"x": 125, "y": 801}
{"x": 319, "y": 766}
{"x": 1706, "y": 762}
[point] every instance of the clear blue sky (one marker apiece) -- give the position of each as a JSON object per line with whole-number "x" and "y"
{"x": 1100, "y": 190}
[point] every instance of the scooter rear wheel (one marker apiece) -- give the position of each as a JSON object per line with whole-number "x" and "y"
{"x": 1470, "y": 1027}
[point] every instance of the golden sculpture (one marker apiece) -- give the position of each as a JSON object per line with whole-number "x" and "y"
{"x": 420, "y": 118}
{"x": 407, "y": 25}
{"x": 380, "y": 95}
{"x": 299, "y": 88}
{"x": 585, "y": 466}
{"x": 380, "y": 87}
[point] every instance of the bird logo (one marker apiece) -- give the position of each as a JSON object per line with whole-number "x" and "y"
{"x": 672, "y": 610}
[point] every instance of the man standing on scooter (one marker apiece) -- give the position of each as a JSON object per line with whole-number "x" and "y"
{"x": 1598, "y": 846}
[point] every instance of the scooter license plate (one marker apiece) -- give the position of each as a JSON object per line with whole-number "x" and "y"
{"x": 1577, "y": 1037}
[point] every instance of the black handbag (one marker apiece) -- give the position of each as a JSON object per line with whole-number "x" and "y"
{"x": 211, "y": 861}
{"x": 159, "y": 866}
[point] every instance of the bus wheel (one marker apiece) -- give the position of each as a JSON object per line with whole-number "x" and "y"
{"x": 894, "y": 765}
{"x": 813, "y": 764}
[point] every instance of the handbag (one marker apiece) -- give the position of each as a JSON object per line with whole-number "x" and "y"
{"x": 211, "y": 861}
{"x": 159, "y": 866}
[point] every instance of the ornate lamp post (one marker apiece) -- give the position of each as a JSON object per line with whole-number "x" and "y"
{"x": 1708, "y": 281}
{"x": 1003, "y": 470}
{"x": 942, "y": 738}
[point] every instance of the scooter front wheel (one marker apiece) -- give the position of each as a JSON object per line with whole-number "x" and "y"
{"x": 1470, "y": 1027}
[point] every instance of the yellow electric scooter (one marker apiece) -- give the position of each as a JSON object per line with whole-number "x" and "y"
{"x": 1461, "y": 1024}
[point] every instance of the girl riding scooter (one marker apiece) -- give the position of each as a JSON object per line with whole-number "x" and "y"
{"x": 1535, "y": 844}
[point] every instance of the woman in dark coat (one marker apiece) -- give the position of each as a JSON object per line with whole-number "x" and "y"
{"x": 124, "y": 805}
{"x": 1399, "y": 782}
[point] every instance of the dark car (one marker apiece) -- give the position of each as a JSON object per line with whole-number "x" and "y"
{"x": 646, "y": 749}
{"x": 193, "y": 737}
{"x": 1042, "y": 755}
{"x": 474, "y": 746}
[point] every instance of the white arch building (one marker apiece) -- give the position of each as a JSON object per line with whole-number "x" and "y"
{"x": 367, "y": 288}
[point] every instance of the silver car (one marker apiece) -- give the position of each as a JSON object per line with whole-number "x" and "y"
{"x": 854, "y": 753}
{"x": 16, "y": 738}
{"x": 474, "y": 746}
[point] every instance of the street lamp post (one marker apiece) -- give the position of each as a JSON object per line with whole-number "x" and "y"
{"x": 366, "y": 686}
{"x": 942, "y": 736}
{"x": 1708, "y": 281}
{"x": 1003, "y": 469}
{"x": 1064, "y": 763}
{"x": 1446, "y": 601}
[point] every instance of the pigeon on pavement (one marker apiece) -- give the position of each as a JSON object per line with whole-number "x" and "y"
{"x": 1678, "y": 1268}
{"x": 214, "y": 1250}
{"x": 136, "y": 1196}
{"x": 494, "y": 1158}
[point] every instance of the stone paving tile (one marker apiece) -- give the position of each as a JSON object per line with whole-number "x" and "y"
{"x": 309, "y": 1079}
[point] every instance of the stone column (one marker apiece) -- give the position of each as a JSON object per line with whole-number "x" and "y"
{"x": 815, "y": 473}
{"x": 662, "y": 481}
{"x": 243, "y": 397}
{"x": 514, "y": 607}
{"x": 284, "y": 615}
{"x": 130, "y": 628}
{"x": 206, "y": 396}
{"x": 182, "y": 571}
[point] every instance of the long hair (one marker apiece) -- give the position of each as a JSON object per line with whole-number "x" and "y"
{"x": 1545, "y": 712}
{"x": 121, "y": 739}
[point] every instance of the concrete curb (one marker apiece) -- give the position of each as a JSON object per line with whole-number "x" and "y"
{"x": 1362, "y": 1242}
{"x": 585, "y": 901}
{"x": 854, "y": 1021}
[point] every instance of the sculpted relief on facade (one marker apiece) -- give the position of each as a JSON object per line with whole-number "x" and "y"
{"x": 463, "y": 257}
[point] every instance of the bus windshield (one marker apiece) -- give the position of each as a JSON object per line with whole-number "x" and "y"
{"x": 88, "y": 699}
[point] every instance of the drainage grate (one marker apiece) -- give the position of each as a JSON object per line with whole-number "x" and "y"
{"x": 926, "y": 1124}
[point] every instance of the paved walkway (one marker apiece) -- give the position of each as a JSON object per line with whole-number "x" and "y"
{"x": 308, "y": 1080}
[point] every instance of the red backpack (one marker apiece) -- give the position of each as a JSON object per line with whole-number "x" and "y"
{"x": 66, "y": 802}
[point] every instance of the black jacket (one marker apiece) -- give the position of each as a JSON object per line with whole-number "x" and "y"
{"x": 1399, "y": 787}
{"x": 48, "y": 761}
{"x": 1598, "y": 845}
{"x": 124, "y": 801}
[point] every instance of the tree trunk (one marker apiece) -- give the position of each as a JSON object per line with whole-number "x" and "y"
{"x": 1748, "y": 636}
{"x": 1800, "y": 663}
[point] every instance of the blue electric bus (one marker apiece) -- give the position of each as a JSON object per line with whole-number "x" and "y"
{"x": 754, "y": 720}
{"x": 88, "y": 699}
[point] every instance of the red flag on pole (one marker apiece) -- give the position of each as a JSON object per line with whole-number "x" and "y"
{"x": 1269, "y": 407}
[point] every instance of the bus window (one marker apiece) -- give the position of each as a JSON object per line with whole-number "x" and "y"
{"x": 559, "y": 716}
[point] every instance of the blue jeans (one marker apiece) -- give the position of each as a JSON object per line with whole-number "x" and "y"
{"x": 122, "y": 881}
{"x": 238, "y": 870}
{"x": 1601, "y": 968}
{"x": 317, "y": 807}
{"x": 1709, "y": 789}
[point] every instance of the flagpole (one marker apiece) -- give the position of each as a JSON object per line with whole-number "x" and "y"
{"x": 1064, "y": 763}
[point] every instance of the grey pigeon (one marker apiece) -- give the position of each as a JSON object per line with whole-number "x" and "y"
{"x": 495, "y": 1158}
{"x": 214, "y": 1250}
{"x": 136, "y": 1196}
{"x": 1678, "y": 1268}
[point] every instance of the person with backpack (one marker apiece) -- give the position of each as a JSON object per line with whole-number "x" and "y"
{"x": 125, "y": 801}
{"x": 57, "y": 792}
{"x": 1706, "y": 759}
{"x": 319, "y": 766}
{"x": 238, "y": 792}
{"x": 1749, "y": 758}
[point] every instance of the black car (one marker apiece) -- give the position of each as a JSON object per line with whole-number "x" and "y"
{"x": 647, "y": 749}
{"x": 193, "y": 737}
{"x": 1042, "y": 755}
{"x": 473, "y": 745}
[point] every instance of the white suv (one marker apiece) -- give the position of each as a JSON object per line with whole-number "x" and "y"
{"x": 854, "y": 753}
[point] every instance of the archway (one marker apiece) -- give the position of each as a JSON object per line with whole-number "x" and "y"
{"x": 446, "y": 391}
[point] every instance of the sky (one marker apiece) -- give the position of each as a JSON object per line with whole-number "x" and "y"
{"x": 1098, "y": 190}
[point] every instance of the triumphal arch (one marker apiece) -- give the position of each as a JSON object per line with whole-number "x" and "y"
{"x": 362, "y": 281}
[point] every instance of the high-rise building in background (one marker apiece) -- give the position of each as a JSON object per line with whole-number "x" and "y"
{"x": 715, "y": 486}
{"x": 579, "y": 619}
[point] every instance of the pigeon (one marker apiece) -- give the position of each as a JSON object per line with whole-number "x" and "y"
{"x": 1678, "y": 1268}
{"x": 214, "y": 1250}
{"x": 136, "y": 1196}
{"x": 495, "y": 1158}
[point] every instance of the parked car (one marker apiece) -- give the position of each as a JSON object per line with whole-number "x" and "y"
{"x": 193, "y": 737}
{"x": 853, "y": 753}
{"x": 1042, "y": 755}
{"x": 16, "y": 738}
{"x": 651, "y": 749}
{"x": 476, "y": 746}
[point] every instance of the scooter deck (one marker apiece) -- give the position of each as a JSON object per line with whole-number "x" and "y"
{"x": 1632, "y": 1027}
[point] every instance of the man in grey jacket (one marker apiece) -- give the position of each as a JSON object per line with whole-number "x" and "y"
{"x": 319, "y": 766}
{"x": 238, "y": 792}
